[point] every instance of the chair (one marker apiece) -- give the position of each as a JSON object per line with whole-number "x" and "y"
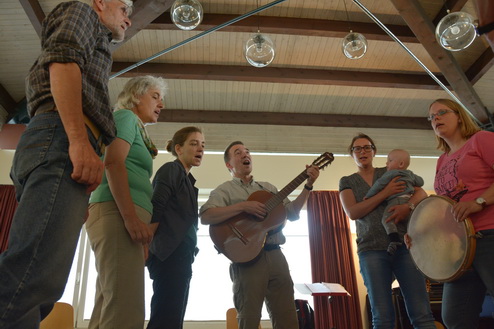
{"x": 231, "y": 319}
{"x": 61, "y": 317}
{"x": 439, "y": 325}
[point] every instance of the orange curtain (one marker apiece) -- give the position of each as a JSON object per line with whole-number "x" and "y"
{"x": 332, "y": 260}
{"x": 8, "y": 204}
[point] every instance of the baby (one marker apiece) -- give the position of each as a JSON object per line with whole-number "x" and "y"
{"x": 397, "y": 164}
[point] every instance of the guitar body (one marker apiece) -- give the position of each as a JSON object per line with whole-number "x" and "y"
{"x": 242, "y": 237}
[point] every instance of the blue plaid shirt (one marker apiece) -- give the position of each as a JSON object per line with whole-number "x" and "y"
{"x": 73, "y": 33}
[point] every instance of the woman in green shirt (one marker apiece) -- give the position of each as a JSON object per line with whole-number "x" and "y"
{"x": 120, "y": 208}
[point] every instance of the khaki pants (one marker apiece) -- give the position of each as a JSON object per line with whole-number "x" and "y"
{"x": 266, "y": 280}
{"x": 119, "y": 300}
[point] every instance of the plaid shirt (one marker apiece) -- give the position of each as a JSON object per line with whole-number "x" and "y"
{"x": 73, "y": 33}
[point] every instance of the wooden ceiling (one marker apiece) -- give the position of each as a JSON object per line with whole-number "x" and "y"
{"x": 310, "y": 99}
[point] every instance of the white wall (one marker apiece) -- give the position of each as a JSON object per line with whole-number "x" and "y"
{"x": 277, "y": 169}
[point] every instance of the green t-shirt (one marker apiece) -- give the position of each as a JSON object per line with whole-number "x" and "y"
{"x": 139, "y": 164}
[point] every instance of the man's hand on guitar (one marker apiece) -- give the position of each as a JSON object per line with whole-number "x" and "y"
{"x": 255, "y": 208}
{"x": 313, "y": 172}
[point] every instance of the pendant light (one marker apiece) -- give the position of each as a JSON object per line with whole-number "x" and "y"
{"x": 456, "y": 31}
{"x": 353, "y": 45}
{"x": 186, "y": 14}
{"x": 259, "y": 49}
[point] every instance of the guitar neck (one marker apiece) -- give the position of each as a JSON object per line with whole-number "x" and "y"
{"x": 281, "y": 195}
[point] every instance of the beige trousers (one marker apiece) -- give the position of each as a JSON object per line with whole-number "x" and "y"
{"x": 119, "y": 300}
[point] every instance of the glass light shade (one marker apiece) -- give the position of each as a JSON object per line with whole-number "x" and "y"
{"x": 186, "y": 14}
{"x": 259, "y": 50}
{"x": 354, "y": 45}
{"x": 456, "y": 31}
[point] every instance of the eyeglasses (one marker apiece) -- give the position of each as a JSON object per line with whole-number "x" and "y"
{"x": 439, "y": 113}
{"x": 366, "y": 148}
{"x": 127, "y": 11}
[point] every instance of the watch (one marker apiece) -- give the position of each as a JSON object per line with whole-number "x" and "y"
{"x": 481, "y": 201}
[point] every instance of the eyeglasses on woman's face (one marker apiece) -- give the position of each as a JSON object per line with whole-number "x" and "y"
{"x": 366, "y": 148}
{"x": 439, "y": 113}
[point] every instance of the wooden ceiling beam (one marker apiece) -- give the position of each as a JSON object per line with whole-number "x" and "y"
{"x": 293, "y": 119}
{"x": 416, "y": 18}
{"x": 480, "y": 66}
{"x": 281, "y": 75}
{"x": 291, "y": 26}
{"x": 452, "y": 6}
{"x": 144, "y": 12}
{"x": 7, "y": 101}
{"x": 35, "y": 14}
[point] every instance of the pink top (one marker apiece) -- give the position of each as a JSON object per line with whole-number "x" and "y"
{"x": 467, "y": 173}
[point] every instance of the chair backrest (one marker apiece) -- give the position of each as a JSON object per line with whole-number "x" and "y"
{"x": 61, "y": 317}
{"x": 231, "y": 319}
{"x": 439, "y": 325}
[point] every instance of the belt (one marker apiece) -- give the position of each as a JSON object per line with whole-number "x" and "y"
{"x": 96, "y": 134}
{"x": 92, "y": 127}
{"x": 269, "y": 247}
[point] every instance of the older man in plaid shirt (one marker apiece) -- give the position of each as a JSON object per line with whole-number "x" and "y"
{"x": 57, "y": 162}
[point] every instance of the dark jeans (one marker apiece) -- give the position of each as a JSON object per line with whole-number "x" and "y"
{"x": 463, "y": 298}
{"x": 171, "y": 282}
{"x": 46, "y": 225}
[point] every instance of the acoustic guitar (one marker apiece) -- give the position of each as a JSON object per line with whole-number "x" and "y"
{"x": 241, "y": 238}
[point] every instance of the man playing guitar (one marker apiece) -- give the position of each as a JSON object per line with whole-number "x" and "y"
{"x": 267, "y": 276}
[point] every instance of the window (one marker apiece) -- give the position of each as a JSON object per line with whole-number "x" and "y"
{"x": 211, "y": 287}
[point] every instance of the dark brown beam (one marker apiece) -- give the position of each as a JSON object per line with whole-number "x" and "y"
{"x": 281, "y": 75}
{"x": 481, "y": 66}
{"x": 7, "y": 102}
{"x": 292, "y": 26}
{"x": 34, "y": 13}
{"x": 145, "y": 11}
{"x": 452, "y": 6}
{"x": 416, "y": 18}
{"x": 293, "y": 119}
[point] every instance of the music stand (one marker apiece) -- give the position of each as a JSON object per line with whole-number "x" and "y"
{"x": 323, "y": 289}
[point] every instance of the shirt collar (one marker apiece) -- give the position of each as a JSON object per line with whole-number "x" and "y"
{"x": 240, "y": 182}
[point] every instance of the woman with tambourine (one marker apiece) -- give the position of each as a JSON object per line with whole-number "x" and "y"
{"x": 465, "y": 173}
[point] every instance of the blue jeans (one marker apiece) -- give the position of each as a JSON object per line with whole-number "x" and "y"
{"x": 463, "y": 298}
{"x": 46, "y": 225}
{"x": 378, "y": 270}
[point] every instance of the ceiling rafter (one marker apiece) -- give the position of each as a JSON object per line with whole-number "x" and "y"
{"x": 34, "y": 13}
{"x": 144, "y": 12}
{"x": 481, "y": 66}
{"x": 7, "y": 101}
{"x": 416, "y": 18}
{"x": 291, "y": 26}
{"x": 451, "y": 5}
{"x": 281, "y": 75}
{"x": 293, "y": 119}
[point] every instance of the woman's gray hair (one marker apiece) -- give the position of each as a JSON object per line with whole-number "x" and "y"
{"x": 137, "y": 87}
